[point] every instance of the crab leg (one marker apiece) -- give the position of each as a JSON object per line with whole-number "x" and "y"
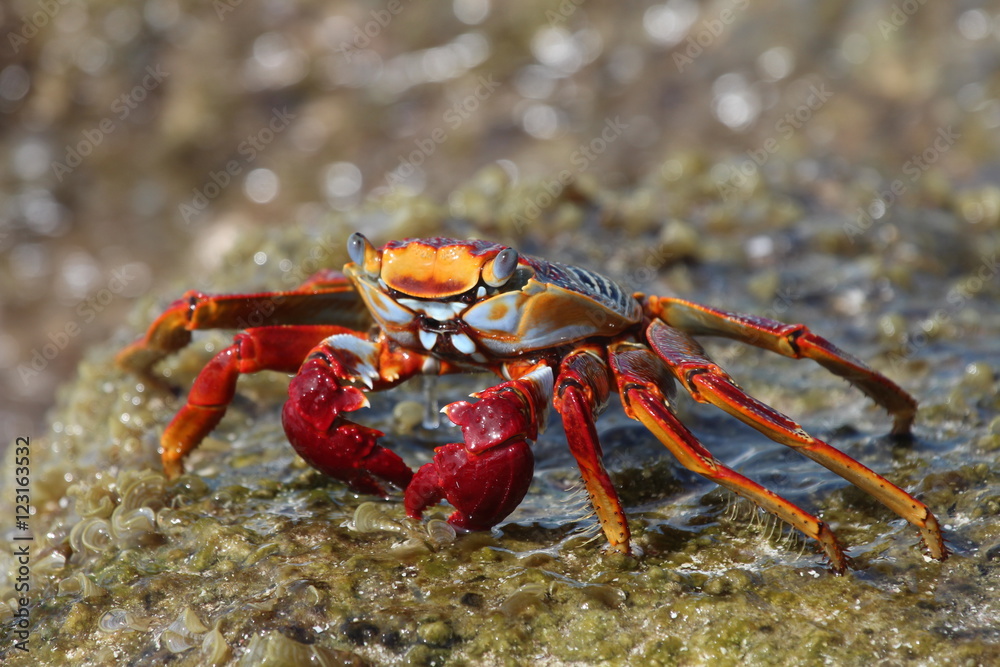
{"x": 791, "y": 340}
{"x": 326, "y": 298}
{"x": 486, "y": 476}
{"x": 708, "y": 383}
{"x": 645, "y": 388}
{"x": 262, "y": 348}
{"x": 582, "y": 392}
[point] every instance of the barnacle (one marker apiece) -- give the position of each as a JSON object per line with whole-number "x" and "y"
{"x": 184, "y": 633}
{"x": 214, "y": 649}
{"x": 130, "y": 526}
{"x": 440, "y": 532}
{"x": 119, "y": 619}
{"x": 141, "y": 488}
{"x": 368, "y": 518}
{"x": 49, "y": 563}
{"x": 123, "y": 519}
{"x": 410, "y": 549}
{"x": 82, "y": 586}
{"x": 92, "y": 501}
{"x": 90, "y": 535}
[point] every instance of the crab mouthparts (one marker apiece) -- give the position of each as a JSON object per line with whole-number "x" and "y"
{"x": 437, "y": 318}
{"x": 442, "y": 311}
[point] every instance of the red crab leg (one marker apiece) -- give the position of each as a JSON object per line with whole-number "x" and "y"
{"x": 791, "y": 340}
{"x": 708, "y": 383}
{"x": 582, "y": 391}
{"x": 642, "y": 382}
{"x": 486, "y": 476}
{"x": 333, "y": 380}
{"x": 326, "y": 298}
{"x": 262, "y": 348}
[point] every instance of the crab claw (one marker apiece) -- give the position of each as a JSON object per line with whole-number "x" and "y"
{"x": 486, "y": 477}
{"x": 484, "y": 488}
{"x": 333, "y": 445}
{"x": 496, "y": 418}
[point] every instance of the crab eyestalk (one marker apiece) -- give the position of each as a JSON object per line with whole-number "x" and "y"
{"x": 364, "y": 254}
{"x": 499, "y": 270}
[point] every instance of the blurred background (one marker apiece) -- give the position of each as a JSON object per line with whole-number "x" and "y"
{"x": 139, "y": 141}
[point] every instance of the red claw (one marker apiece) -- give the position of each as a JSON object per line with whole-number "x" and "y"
{"x": 319, "y": 399}
{"x": 485, "y": 478}
{"x": 333, "y": 445}
{"x": 484, "y": 488}
{"x": 491, "y": 420}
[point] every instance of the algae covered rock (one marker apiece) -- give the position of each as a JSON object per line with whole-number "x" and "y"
{"x": 253, "y": 558}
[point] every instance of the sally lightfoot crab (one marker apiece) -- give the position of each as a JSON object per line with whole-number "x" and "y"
{"x": 553, "y": 332}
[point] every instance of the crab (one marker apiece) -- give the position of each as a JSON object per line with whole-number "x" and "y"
{"x": 555, "y": 334}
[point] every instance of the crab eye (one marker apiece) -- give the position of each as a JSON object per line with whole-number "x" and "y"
{"x": 502, "y": 267}
{"x": 356, "y": 248}
{"x": 363, "y": 253}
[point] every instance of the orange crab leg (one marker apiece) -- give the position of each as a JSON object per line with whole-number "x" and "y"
{"x": 642, "y": 380}
{"x": 708, "y": 383}
{"x": 277, "y": 348}
{"x": 791, "y": 340}
{"x": 582, "y": 392}
{"x": 326, "y": 298}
